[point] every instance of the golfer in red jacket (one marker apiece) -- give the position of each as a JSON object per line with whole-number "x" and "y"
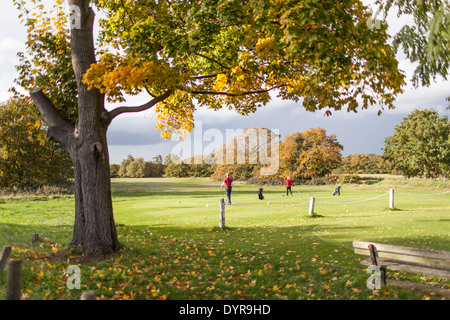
{"x": 228, "y": 182}
{"x": 289, "y": 184}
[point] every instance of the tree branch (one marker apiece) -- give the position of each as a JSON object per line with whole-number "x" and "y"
{"x": 213, "y": 60}
{"x": 115, "y": 112}
{"x": 223, "y": 93}
{"x": 58, "y": 128}
{"x": 205, "y": 77}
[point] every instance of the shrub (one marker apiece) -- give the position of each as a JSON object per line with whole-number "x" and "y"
{"x": 349, "y": 178}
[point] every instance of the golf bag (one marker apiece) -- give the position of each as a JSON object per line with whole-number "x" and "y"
{"x": 337, "y": 191}
{"x": 260, "y": 195}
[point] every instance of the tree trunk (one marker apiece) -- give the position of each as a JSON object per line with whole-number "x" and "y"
{"x": 94, "y": 227}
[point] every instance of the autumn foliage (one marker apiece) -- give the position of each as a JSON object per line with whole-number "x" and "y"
{"x": 233, "y": 54}
{"x": 28, "y": 159}
{"x": 312, "y": 153}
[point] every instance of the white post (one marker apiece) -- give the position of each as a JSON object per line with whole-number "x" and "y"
{"x": 221, "y": 213}
{"x": 311, "y": 205}
{"x": 391, "y": 198}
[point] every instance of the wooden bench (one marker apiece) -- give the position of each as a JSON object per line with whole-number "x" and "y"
{"x": 400, "y": 258}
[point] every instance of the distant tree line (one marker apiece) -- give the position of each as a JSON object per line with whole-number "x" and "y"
{"x": 420, "y": 147}
{"x": 308, "y": 155}
{"x": 359, "y": 163}
{"x": 138, "y": 168}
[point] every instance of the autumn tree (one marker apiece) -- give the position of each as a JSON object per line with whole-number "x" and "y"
{"x": 132, "y": 167}
{"x": 114, "y": 170}
{"x": 170, "y": 158}
{"x": 177, "y": 170}
{"x": 199, "y": 166}
{"x": 250, "y": 151}
{"x": 27, "y": 157}
{"x": 156, "y": 167}
{"x": 309, "y": 154}
{"x": 187, "y": 55}
{"x": 138, "y": 168}
{"x": 420, "y": 145}
{"x": 124, "y": 165}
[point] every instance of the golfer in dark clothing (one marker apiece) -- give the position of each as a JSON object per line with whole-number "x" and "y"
{"x": 228, "y": 182}
{"x": 289, "y": 184}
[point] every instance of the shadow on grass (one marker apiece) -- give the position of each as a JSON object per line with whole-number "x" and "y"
{"x": 393, "y": 209}
{"x": 315, "y": 216}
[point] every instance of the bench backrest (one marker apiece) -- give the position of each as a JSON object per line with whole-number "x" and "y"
{"x": 431, "y": 258}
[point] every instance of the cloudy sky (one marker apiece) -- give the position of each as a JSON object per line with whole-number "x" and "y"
{"x": 135, "y": 134}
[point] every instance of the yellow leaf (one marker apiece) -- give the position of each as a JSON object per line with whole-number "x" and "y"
{"x": 323, "y": 270}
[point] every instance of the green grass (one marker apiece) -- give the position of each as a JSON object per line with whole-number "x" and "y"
{"x": 174, "y": 249}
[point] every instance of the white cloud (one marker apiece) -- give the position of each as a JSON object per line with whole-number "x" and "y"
{"x": 7, "y": 44}
{"x": 8, "y": 59}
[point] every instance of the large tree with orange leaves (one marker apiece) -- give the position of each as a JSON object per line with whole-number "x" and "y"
{"x": 187, "y": 55}
{"x": 309, "y": 154}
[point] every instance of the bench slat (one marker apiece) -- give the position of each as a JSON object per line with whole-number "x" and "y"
{"x": 407, "y": 258}
{"x": 431, "y": 258}
{"x": 397, "y": 266}
{"x": 401, "y": 249}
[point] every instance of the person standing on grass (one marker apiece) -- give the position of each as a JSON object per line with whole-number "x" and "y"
{"x": 228, "y": 182}
{"x": 289, "y": 185}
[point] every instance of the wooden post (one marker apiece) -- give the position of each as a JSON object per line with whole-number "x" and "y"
{"x": 4, "y": 255}
{"x": 221, "y": 213}
{"x": 88, "y": 295}
{"x": 391, "y": 198}
{"x": 311, "y": 205}
{"x": 373, "y": 255}
{"x": 34, "y": 237}
{"x": 383, "y": 276}
{"x": 14, "y": 280}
